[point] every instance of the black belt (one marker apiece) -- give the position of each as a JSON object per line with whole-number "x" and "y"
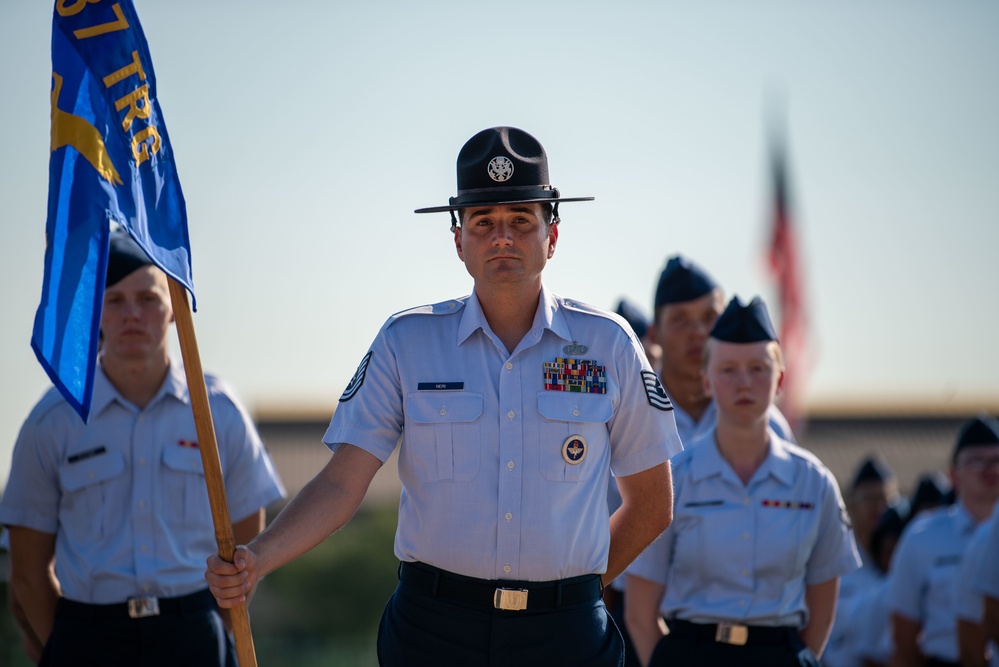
{"x": 138, "y": 607}
{"x": 500, "y": 594}
{"x": 733, "y": 633}
{"x": 940, "y": 662}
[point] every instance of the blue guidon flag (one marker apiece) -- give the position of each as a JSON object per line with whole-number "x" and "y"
{"x": 110, "y": 163}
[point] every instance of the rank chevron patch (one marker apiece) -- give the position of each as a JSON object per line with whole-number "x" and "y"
{"x": 655, "y": 391}
{"x": 356, "y": 381}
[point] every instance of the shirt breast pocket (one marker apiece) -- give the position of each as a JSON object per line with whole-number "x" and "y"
{"x": 443, "y": 433}
{"x": 940, "y": 590}
{"x": 86, "y": 492}
{"x": 185, "y": 496}
{"x": 570, "y": 414}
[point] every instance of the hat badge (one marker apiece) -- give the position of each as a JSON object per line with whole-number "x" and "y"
{"x": 500, "y": 168}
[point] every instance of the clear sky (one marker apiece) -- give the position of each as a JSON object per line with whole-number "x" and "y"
{"x": 306, "y": 132}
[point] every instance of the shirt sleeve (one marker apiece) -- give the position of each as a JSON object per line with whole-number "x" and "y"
{"x": 968, "y": 602}
{"x": 642, "y": 431}
{"x": 835, "y": 552}
{"x": 251, "y": 481}
{"x": 907, "y": 578}
{"x": 874, "y": 640}
{"x": 656, "y": 562}
{"x": 369, "y": 414}
{"x": 31, "y": 498}
{"x": 987, "y": 580}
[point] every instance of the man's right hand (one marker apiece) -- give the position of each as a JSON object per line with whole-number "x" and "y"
{"x": 231, "y": 583}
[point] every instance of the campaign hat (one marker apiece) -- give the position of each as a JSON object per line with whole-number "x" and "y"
{"x": 501, "y": 166}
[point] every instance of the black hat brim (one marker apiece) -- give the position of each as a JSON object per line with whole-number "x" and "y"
{"x": 501, "y": 202}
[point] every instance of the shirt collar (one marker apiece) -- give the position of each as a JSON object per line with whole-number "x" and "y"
{"x": 549, "y": 316}
{"x": 963, "y": 521}
{"x": 175, "y": 385}
{"x": 779, "y": 463}
{"x": 709, "y": 462}
{"x": 687, "y": 426}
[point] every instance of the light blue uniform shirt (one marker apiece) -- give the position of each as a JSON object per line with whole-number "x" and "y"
{"x": 987, "y": 581}
{"x": 487, "y": 490}
{"x": 923, "y": 577}
{"x": 125, "y": 494}
{"x": 874, "y": 641}
{"x": 745, "y": 553}
{"x": 969, "y": 603}
{"x": 843, "y": 648}
{"x": 690, "y": 431}
{"x": 854, "y": 587}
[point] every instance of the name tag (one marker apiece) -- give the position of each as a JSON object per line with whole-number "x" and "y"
{"x": 440, "y": 386}
{"x": 89, "y": 454}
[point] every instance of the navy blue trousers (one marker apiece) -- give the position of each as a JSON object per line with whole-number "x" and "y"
{"x": 194, "y": 638}
{"x": 420, "y": 630}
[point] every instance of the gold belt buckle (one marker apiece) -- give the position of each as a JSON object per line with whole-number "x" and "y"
{"x": 510, "y": 599}
{"x": 732, "y": 633}
{"x": 143, "y": 607}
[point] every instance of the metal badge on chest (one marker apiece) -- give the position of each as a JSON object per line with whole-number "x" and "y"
{"x": 574, "y": 449}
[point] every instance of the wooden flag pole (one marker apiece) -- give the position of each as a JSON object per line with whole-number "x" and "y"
{"x": 210, "y": 460}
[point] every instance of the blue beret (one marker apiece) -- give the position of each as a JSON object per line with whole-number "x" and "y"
{"x": 634, "y": 316}
{"x": 682, "y": 280}
{"x": 977, "y": 432}
{"x": 744, "y": 324}
{"x": 124, "y": 256}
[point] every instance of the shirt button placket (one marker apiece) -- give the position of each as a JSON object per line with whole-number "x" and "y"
{"x": 511, "y": 437}
{"x": 144, "y": 473}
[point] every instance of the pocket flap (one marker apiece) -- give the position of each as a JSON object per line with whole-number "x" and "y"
{"x": 94, "y": 470}
{"x": 183, "y": 459}
{"x": 572, "y": 407}
{"x": 443, "y": 407}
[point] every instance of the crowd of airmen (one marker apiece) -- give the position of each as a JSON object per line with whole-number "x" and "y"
{"x": 928, "y": 563}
